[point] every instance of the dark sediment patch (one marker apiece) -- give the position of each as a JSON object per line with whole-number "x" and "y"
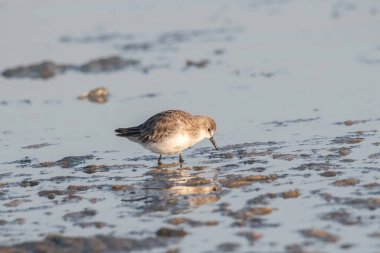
{"x": 373, "y": 185}
{"x": 297, "y": 248}
{"x": 149, "y": 95}
{"x": 233, "y": 181}
{"x": 287, "y": 122}
{"x": 95, "y": 224}
{"x": 90, "y": 169}
{"x": 248, "y": 216}
{"x": 369, "y": 203}
{"x": 347, "y": 140}
{"x": 66, "y": 162}
{"x": 317, "y": 167}
{"x": 43, "y": 70}
{"x": 228, "y": 247}
{"x": 374, "y": 235}
{"x": 330, "y": 173}
{"x": 29, "y": 183}
{"x": 49, "y": 69}
{"x": 137, "y": 46}
{"x": 346, "y": 182}
{"x": 197, "y": 64}
{"x": 17, "y": 221}
{"x": 120, "y": 187}
{"x": 169, "y": 232}
{"x": 51, "y": 194}
{"x": 103, "y": 37}
{"x": 263, "y": 199}
{"x": 286, "y": 157}
{"x": 343, "y": 151}
{"x": 37, "y": 146}
{"x": 352, "y": 122}
{"x": 192, "y": 223}
{"x": 69, "y": 191}
{"x": 263, "y": 73}
{"x": 374, "y": 156}
{"x": 320, "y": 235}
{"x": 76, "y": 216}
{"x": 342, "y": 216}
{"x": 22, "y": 163}
{"x": 100, "y": 243}
{"x": 107, "y": 64}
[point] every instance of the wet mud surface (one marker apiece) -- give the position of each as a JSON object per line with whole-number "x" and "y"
{"x": 297, "y": 169}
{"x": 167, "y": 197}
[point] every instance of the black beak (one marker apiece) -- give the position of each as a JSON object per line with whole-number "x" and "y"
{"x": 213, "y": 143}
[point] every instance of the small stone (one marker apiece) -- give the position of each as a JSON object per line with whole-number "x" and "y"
{"x": 168, "y": 232}
{"x": 320, "y": 235}
{"x": 291, "y": 194}
{"x": 97, "y": 95}
{"x": 346, "y": 182}
{"x": 198, "y": 64}
{"x": 120, "y": 187}
{"x": 328, "y": 174}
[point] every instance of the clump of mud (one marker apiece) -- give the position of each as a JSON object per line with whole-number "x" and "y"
{"x": 197, "y": 64}
{"x": 98, "y": 95}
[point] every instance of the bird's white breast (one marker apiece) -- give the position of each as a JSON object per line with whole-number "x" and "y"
{"x": 172, "y": 145}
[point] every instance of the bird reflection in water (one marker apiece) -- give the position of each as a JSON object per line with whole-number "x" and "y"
{"x": 180, "y": 189}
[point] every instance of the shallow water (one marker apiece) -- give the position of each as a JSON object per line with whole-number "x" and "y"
{"x": 292, "y": 85}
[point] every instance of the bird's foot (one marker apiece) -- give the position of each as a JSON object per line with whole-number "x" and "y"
{"x": 181, "y": 159}
{"x": 159, "y": 160}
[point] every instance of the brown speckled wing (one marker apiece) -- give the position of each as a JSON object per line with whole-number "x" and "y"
{"x": 163, "y": 125}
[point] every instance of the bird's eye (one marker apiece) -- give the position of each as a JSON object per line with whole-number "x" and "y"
{"x": 209, "y": 129}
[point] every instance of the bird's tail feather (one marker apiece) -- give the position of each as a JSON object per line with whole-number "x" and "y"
{"x": 128, "y": 132}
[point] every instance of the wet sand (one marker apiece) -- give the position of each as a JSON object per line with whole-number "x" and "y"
{"x": 292, "y": 85}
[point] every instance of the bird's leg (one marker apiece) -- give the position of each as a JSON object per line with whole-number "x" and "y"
{"x": 159, "y": 160}
{"x": 180, "y": 158}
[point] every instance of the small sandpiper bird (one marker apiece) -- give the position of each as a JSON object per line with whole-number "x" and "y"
{"x": 171, "y": 132}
